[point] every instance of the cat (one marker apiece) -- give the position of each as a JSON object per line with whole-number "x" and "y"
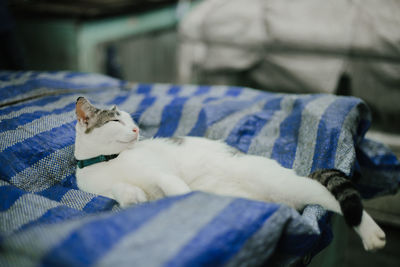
{"x": 113, "y": 162}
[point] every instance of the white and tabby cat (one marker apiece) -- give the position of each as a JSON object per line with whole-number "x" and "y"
{"x": 113, "y": 162}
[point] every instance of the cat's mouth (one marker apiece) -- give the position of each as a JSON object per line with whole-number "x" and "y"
{"x": 129, "y": 141}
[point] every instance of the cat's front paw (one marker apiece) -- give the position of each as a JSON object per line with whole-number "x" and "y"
{"x": 127, "y": 195}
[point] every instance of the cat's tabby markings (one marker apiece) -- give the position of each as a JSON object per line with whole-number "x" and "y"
{"x": 176, "y": 140}
{"x": 344, "y": 191}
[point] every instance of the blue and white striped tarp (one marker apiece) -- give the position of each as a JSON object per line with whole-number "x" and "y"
{"x": 46, "y": 220}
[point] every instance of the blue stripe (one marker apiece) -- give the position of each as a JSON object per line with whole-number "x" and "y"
{"x": 218, "y": 112}
{"x": 224, "y": 236}
{"x": 171, "y": 116}
{"x": 45, "y": 100}
{"x": 13, "y": 123}
{"x": 329, "y": 129}
{"x": 146, "y": 103}
{"x": 249, "y": 126}
{"x": 98, "y": 204}
{"x": 16, "y": 158}
{"x": 300, "y": 244}
{"x": 174, "y": 90}
{"x": 74, "y": 75}
{"x": 8, "y": 195}
{"x": 121, "y": 98}
{"x": 363, "y": 127}
{"x": 54, "y": 215}
{"x": 284, "y": 150}
{"x": 200, "y": 127}
{"x": 55, "y": 192}
{"x": 69, "y": 182}
{"x": 36, "y": 102}
{"x": 144, "y": 89}
{"x": 13, "y": 90}
{"x": 90, "y": 242}
{"x": 234, "y": 91}
{"x": 378, "y": 162}
{"x": 5, "y": 76}
{"x": 18, "y": 75}
{"x": 202, "y": 90}
{"x": 212, "y": 98}
{"x": 174, "y": 111}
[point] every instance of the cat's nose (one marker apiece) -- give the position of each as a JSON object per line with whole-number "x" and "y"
{"x": 135, "y": 130}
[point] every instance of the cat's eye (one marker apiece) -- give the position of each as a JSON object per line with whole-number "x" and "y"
{"x": 114, "y": 120}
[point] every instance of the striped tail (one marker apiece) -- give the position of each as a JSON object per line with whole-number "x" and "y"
{"x": 344, "y": 191}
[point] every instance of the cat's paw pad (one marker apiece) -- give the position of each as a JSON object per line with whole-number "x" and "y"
{"x": 127, "y": 195}
{"x": 374, "y": 240}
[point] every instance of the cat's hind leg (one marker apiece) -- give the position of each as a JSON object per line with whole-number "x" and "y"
{"x": 371, "y": 234}
{"x": 307, "y": 191}
{"x": 285, "y": 186}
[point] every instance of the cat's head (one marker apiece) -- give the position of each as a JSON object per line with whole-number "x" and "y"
{"x": 102, "y": 131}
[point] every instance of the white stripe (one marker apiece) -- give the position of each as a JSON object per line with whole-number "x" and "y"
{"x": 187, "y": 90}
{"x": 150, "y": 120}
{"x": 12, "y": 81}
{"x": 259, "y": 247}
{"x": 192, "y": 108}
{"x": 45, "y": 123}
{"x": 3, "y": 183}
{"x": 27, "y": 208}
{"x": 76, "y": 199}
{"x": 57, "y": 76}
{"x": 38, "y": 240}
{"x": 132, "y": 103}
{"x": 91, "y": 79}
{"x": 84, "y": 80}
{"x": 346, "y": 154}
{"x": 310, "y": 119}
{"x": 264, "y": 142}
{"x": 221, "y": 129}
{"x": 46, "y": 172}
{"x": 59, "y": 104}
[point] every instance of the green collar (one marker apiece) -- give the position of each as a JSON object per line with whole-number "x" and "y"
{"x": 87, "y": 162}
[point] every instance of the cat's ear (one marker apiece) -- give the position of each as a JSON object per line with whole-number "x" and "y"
{"x": 84, "y": 111}
{"x": 114, "y": 108}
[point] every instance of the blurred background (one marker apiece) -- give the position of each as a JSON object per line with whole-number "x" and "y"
{"x": 343, "y": 47}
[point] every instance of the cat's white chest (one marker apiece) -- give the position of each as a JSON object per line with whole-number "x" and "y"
{"x": 96, "y": 180}
{"x": 136, "y": 167}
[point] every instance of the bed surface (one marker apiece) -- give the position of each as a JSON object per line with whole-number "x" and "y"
{"x": 46, "y": 220}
